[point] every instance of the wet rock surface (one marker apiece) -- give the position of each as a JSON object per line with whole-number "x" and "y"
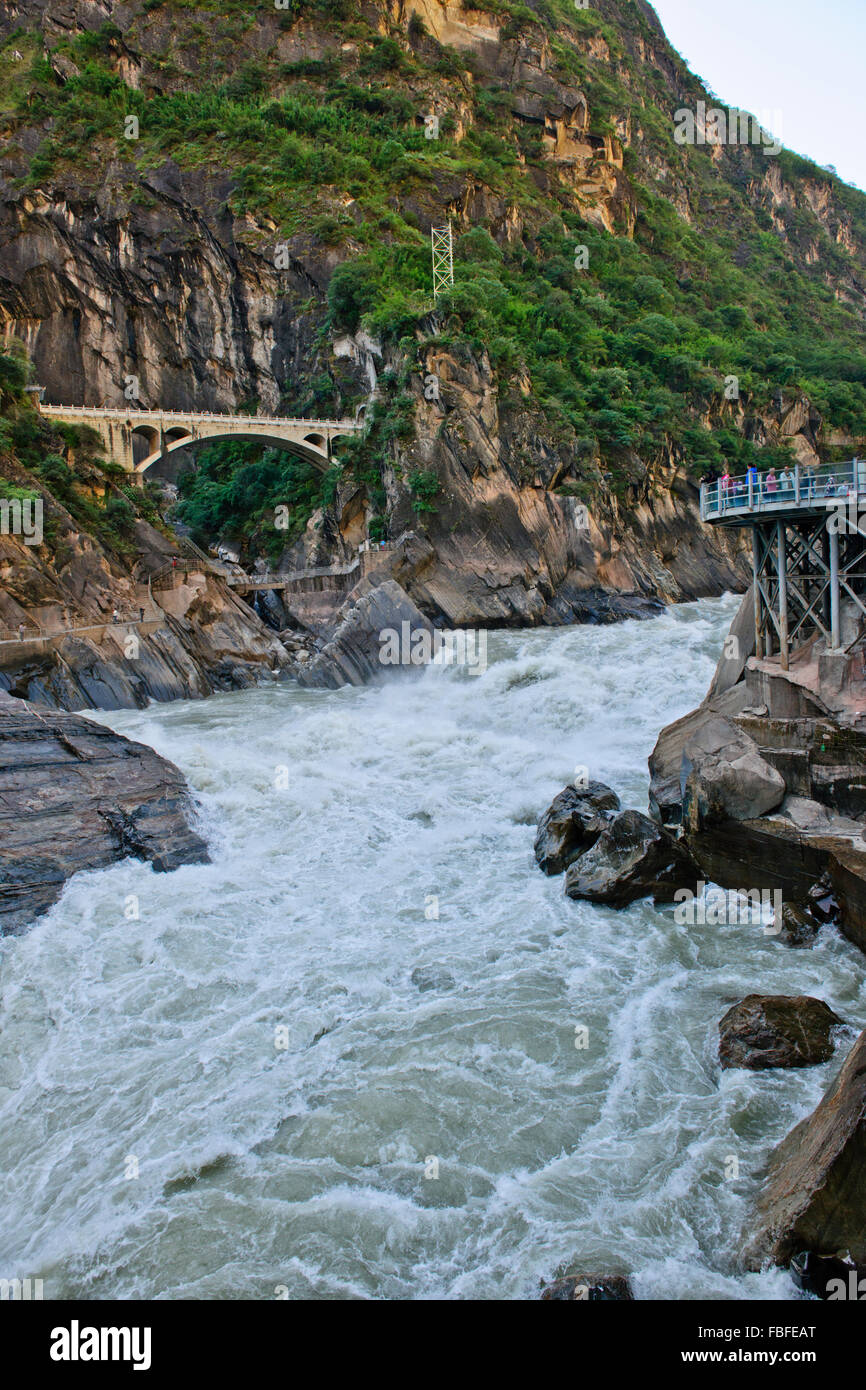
{"x": 765, "y": 1031}
{"x": 832, "y": 1277}
{"x": 73, "y": 796}
{"x": 572, "y": 824}
{"x": 632, "y": 858}
{"x": 814, "y": 1197}
{"x": 796, "y": 927}
{"x": 718, "y": 771}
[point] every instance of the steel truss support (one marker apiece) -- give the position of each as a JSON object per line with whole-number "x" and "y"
{"x": 800, "y": 569}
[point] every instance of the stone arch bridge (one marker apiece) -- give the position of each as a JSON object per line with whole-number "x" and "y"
{"x": 141, "y": 439}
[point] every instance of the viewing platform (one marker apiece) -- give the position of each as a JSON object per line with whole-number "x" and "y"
{"x": 810, "y": 492}
{"x": 808, "y": 530}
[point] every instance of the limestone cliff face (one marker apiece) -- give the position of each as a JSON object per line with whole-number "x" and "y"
{"x": 100, "y": 289}
{"x": 505, "y": 548}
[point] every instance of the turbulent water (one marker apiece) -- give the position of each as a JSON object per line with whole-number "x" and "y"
{"x": 244, "y": 1093}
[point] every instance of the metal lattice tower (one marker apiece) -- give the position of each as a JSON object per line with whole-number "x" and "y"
{"x": 443, "y": 259}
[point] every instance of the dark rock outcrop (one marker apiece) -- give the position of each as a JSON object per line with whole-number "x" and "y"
{"x": 355, "y": 654}
{"x": 590, "y": 1288}
{"x": 74, "y": 795}
{"x": 633, "y": 858}
{"x": 790, "y": 849}
{"x": 814, "y": 1197}
{"x": 572, "y": 824}
{"x": 197, "y": 637}
{"x": 765, "y": 1031}
{"x": 832, "y": 1277}
{"x": 797, "y": 928}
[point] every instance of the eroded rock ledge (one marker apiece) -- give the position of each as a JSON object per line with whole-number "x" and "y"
{"x": 75, "y": 795}
{"x": 766, "y": 780}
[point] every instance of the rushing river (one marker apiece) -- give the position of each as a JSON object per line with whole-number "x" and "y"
{"x": 244, "y": 1093}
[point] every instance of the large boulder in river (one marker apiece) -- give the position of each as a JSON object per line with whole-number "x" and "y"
{"x": 666, "y": 759}
{"x": 572, "y": 823}
{"x": 765, "y": 1031}
{"x": 632, "y": 858}
{"x": 74, "y": 795}
{"x": 375, "y": 620}
{"x": 723, "y": 777}
{"x": 814, "y": 1197}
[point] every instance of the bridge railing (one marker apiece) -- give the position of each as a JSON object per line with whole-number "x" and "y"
{"x": 774, "y": 489}
{"x": 145, "y": 415}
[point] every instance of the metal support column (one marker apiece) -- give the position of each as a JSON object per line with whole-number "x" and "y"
{"x": 782, "y": 572}
{"x": 835, "y": 623}
{"x": 756, "y": 593}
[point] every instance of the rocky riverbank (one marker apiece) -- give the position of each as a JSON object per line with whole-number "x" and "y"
{"x": 760, "y": 791}
{"x": 75, "y": 796}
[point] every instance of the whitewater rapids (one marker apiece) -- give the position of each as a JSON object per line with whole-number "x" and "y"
{"x": 242, "y": 1091}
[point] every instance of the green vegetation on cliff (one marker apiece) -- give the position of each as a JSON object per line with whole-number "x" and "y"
{"x": 65, "y": 463}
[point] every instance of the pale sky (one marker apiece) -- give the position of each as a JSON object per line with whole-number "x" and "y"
{"x": 805, "y": 59}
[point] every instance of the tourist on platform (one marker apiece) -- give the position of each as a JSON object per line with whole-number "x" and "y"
{"x": 786, "y": 485}
{"x": 724, "y": 489}
{"x": 772, "y": 484}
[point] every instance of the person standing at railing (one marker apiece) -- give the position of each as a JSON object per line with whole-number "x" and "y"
{"x": 772, "y": 485}
{"x": 830, "y": 485}
{"x": 709, "y": 482}
{"x": 724, "y": 489}
{"x": 809, "y": 480}
{"x": 786, "y": 485}
{"x": 752, "y": 484}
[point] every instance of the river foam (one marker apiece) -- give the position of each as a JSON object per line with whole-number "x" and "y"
{"x": 400, "y": 1138}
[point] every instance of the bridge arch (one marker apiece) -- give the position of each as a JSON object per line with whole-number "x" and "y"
{"x": 157, "y": 463}
{"x": 144, "y": 441}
